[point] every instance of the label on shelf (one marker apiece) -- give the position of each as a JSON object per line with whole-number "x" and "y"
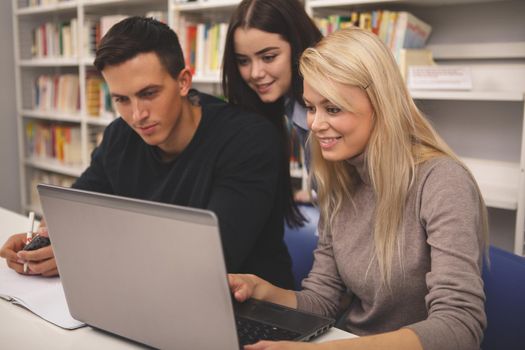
{"x": 437, "y": 77}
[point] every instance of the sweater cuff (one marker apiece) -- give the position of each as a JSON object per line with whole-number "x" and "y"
{"x": 437, "y": 335}
{"x": 304, "y": 303}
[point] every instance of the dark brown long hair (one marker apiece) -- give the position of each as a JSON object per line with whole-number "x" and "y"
{"x": 288, "y": 19}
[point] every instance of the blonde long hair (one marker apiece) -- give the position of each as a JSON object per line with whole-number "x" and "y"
{"x": 401, "y": 137}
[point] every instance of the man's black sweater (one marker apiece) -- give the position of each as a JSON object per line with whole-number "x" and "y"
{"x": 231, "y": 167}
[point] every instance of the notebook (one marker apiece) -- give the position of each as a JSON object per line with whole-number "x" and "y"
{"x": 43, "y": 296}
{"x": 154, "y": 273}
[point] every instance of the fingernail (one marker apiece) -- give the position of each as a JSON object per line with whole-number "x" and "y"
{"x": 21, "y": 261}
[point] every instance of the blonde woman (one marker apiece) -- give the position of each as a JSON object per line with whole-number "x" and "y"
{"x": 403, "y": 226}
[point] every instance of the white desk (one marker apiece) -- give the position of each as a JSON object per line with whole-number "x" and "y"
{"x": 21, "y": 329}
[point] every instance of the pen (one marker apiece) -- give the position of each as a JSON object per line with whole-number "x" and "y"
{"x": 29, "y": 233}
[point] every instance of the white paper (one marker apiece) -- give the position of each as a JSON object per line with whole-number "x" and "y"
{"x": 43, "y": 296}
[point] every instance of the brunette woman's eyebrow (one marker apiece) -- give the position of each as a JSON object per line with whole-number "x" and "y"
{"x": 258, "y": 53}
{"x": 266, "y": 49}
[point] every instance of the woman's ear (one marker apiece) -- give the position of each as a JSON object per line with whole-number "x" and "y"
{"x": 184, "y": 79}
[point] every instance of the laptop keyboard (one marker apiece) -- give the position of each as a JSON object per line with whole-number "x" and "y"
{"x": 250, "y": 332}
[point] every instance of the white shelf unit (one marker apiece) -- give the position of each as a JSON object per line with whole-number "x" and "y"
{"x": 28, "y": 68}
{"x": 202, "y": 11}
{"x": 485, "y": 126}
{"x": 204, "y": 5}
{"x": 487, "y": 35}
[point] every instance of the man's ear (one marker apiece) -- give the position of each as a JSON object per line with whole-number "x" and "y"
{"x": 184, "y": 79}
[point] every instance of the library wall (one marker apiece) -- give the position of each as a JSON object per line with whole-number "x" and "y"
{"x": 9, "y": 175}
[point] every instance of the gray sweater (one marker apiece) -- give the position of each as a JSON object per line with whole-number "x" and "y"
{"x": 439, "y": 295}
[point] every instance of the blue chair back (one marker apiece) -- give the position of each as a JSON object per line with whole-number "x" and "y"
{"x": 505, "y": 305}
{"x": 301, "y": 244}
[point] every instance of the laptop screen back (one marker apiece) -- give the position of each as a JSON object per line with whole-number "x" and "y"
{"x": 118, "y": 260}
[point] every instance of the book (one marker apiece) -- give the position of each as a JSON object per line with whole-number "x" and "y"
{"x": 414, "y": 57}
{"x": 41, "y": 295}
{"x": 200, "y": 48}
{"x": 106, "y": 22}
{"x": 410, "y": 33}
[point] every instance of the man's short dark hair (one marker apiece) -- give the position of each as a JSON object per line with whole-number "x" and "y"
{"x": 135, "y": 35}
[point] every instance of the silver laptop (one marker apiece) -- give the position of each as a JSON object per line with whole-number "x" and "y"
{"x": 155, "y": 273}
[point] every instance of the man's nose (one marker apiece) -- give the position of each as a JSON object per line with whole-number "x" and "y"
{"x": 139, "y": 110}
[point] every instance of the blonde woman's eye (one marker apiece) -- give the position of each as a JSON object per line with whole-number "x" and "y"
{"x": 333, "y": 110}
{"x": 310, "y": 109}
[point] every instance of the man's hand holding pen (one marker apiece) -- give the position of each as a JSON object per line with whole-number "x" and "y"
{"x": 40, "y": 261}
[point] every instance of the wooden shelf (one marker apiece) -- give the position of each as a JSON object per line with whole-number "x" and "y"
{"x": 45, "y": 9}
{"x": 87, "y": 61}
{"x": 54, "y": 166}
{"x": 204, "y": 5}
{"x": 49, "y": 62}
{"x": 477, "y": 51}
{"x": 100, "y": 121}
{"x": 207, "y": 79}
{"x": 52, "y": 115}
{"x": 508, "y": 96}
{"x": 498, "y": 181}
{"x": 339, "y": 3}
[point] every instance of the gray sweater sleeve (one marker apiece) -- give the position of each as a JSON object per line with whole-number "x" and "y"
{"x": 323, "y": 288}
{"x": 449, "y": 210}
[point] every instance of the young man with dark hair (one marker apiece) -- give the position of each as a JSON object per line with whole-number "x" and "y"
{"x": 175, "y": 145}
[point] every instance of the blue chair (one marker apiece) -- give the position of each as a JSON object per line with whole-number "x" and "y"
{"x": 301, "y": 243}
{"x": 505, "y": 305}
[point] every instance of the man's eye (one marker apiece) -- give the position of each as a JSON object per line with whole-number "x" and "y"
{"x": 148, "y": 93}
{"x": 120, "y": 99}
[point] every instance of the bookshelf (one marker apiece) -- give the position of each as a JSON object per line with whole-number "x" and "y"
{"x": 29, "y": 15}
{"x": 485, "y": 125}
{"x": 186, "y": 14}
{"x": 48, "y": 19}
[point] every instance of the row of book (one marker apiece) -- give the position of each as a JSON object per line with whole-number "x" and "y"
{"x": 55, "y": 39}
{"x": 53, "y": 142}
{"x": 397, "y": 29}
{"x": 96, "y": 27}
{"x": 98, "y": 97}
{"x": 203, "y": 46}
{"x": 57, "y": 93}
{"x": 94, "y": 30}
{"x": 60, "y": 93}
{"x": 94, "y": 138}
{"x": 60, "y": 39}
